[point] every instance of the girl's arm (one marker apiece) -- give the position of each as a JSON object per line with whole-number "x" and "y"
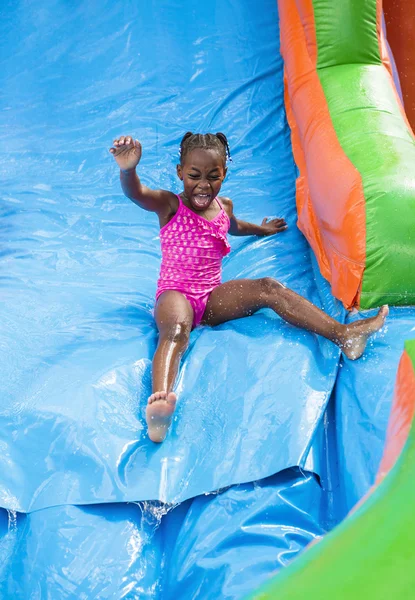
{"x": 127, "y": 153}
{"x": 239, "y": 227}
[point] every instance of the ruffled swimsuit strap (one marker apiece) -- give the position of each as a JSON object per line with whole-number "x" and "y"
{"x": 180, "y": 202}
{"x": 220, "y": 203}
{"x": 221, "y": 207}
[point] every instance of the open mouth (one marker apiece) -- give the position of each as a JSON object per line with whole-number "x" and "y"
{"x": 201, "y": 201}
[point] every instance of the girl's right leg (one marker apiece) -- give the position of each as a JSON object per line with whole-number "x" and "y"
{"x": 243, "y": 297}
{"x": 174, "y": 318}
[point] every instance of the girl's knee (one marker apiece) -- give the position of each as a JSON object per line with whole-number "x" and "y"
{"x": 177, "y": 333}
{"x": 270, "y": 286}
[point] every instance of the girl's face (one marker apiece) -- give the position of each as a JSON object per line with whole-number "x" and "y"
{"x": 202, "y": 173}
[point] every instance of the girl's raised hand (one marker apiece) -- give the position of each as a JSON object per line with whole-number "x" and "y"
{"x": 273, "y": 226}
{"x": 127, "y": 152}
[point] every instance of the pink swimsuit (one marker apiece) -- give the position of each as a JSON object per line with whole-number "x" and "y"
{"x": 192, "y": 250}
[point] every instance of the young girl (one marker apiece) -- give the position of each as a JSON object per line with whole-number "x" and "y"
{"x": 193, "y": 233}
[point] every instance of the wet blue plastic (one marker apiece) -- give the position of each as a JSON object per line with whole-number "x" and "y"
{"x": 229, "y": 544}
{"x": 79, "y": 270}
{"x": 137, "y": 551}
{"x": 363, "y": 395}
{"x": 106, "y": 551}
{"x": 82, "y": 260}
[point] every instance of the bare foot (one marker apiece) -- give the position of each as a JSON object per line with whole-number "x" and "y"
{"x": 159, "y": 413}
{"x": 356, "y": 334}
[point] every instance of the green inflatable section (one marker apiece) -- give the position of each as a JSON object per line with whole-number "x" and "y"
{"x": 410, "y": 349}
{"x": 346, "y": 32}
{"x": 371, "y": 554}
{"x": 373, "y": 134}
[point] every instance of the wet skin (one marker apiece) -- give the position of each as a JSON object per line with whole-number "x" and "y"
{"x": 202, "y": 174}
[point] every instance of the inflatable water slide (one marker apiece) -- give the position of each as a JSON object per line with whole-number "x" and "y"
{"x": 288, "y": 471}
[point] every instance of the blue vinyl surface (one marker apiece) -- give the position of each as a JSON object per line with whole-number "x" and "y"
{"x": 107, "y": 551}
{"x": 228, "y": 545}
{"x": 81, "y": 262}
{"x": 214, "y": 546}
{"x": 363, "y": 395}
{"x": 79, "y": 270}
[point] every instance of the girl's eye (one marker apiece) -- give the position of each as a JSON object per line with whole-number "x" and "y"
{"x": 214, "y": 178}
{"x": 193, "y": 176}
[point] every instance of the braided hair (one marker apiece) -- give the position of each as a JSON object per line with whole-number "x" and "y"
{"x": 207, "y": 141}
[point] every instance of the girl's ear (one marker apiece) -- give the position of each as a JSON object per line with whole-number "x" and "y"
{"x": 226, "y": 172}
{"x": 179, "y": 172}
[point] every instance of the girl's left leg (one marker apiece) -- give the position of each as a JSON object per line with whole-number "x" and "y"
{"x": 242, "y": 297}
{"x": 174, "y": 318}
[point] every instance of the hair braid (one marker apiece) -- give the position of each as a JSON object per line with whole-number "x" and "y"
{"x": 207, "y": 141}
{"x": 222, "y": 137}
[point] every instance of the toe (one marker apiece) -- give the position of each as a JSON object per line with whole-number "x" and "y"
{"x": 171, "y": 398}
{"x": 384, "y": 311}
{"x": 157, "y": 396}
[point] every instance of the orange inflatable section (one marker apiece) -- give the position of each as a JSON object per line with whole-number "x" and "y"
{"x": 400, "y": 27}
{"x": 402, "y": 414}
{"x": 330, "y": 199}
{"x": 400, "y": 422}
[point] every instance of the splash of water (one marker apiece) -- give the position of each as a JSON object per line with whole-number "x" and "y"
{"x": 11, "y": 520}
{"x": 152, "y": 512}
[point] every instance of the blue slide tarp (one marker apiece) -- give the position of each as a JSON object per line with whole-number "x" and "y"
{"x": 212, "y": 546}
{"x": 80, "y": 264}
